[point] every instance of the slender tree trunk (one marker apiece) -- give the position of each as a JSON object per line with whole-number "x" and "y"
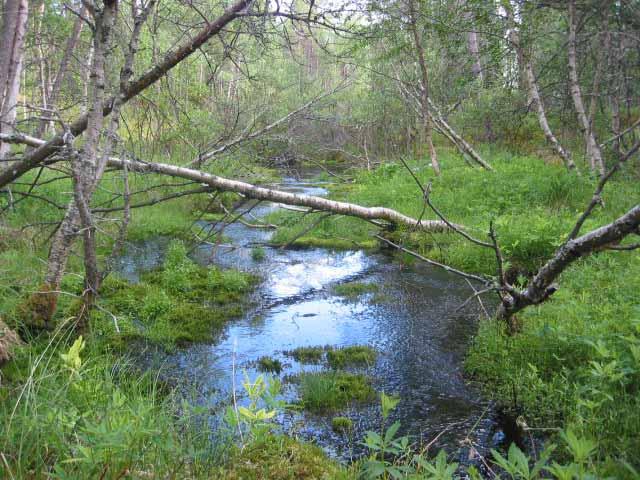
{"x": 14, "y": 29}
{"x": 63, "y": 69}
{"x": 533, "y": 93}
{"x": 424, "y": 87}
{"x": 592, "y": 148}
{"x": 90, "y": 165}
{"x": 473, "y": 43}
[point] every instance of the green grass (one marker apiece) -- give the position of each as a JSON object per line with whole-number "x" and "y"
{"x": 328, "y": 391}
{"x": 98, "y": 418}
{"x": 357, "y": 355}
{"x": 269, "y": 365}
{"x": 354, "y": 289}
{"x": 577, "y": 362}
{"x": 310, "y": 355}
{"x": 341, "y": 424}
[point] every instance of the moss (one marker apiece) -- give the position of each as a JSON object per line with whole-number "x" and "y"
{"x": 270, "y": 365}
{"x": 310, "y": 241}
{"x": 258, "y": 254}
{"x": 278, "y": 457}
{"x": 341, "y": 424}
{"x": 179, "y": 304}
{"x": 354, "y": 289}
{"x": 38, "y": 309}
{"x": 351, "y": 356}
{"x": 327, "y": 391}
{"x": 311, "y": 355}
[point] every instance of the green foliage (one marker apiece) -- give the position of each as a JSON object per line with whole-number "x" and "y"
{"x": 356, "y": 355}
{"x": 104, "y": 419}
{"x": 354, "y": 289}
{"x": 341, "y": 424}
{"x": 254, "y": 422}
{"x": 576, "y": 362}
{"x": 269, "y": 365}
{"x": 327, "y": 391}
{"x": 307, "y": 354}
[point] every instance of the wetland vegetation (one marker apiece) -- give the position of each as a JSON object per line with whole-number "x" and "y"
{"x": 319, "y": 240}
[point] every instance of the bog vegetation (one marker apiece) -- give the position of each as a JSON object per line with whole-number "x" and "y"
{"x": 497, "y": 140}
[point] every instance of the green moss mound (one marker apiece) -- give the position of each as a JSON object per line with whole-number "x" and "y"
{"x": 311, "y": 355}
{"x": 178, "y": 304}
{"x": 269, "y": 365}
{"x": 327, "y": 391}
{"x": 357, "y": 355}
{"x": 354, "y": 289}
{"x": 279, "y": 457}
{"x": 341, "y": 424}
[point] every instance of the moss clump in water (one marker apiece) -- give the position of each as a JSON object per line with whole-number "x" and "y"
{"x": 327, "y": 391}
{"x": 269, "y": 365}
{"x": 179, "y": 304}
{"x": 356, "y": 355}
{"x": 354, "y": 289}
{"x": 311, "y": 355}
{"x": 258, "y": 254}
{"x": 341, "y": 424}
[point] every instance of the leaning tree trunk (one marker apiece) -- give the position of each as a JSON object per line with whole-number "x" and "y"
{"x": 14, "y": 29}
{"x": 536, "y": 101}
{"x": 593, "y": 152}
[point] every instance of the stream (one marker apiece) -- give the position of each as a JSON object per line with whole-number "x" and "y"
{"x": 411, "y": 321}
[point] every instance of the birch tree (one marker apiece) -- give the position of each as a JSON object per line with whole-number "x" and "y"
{"x": 14, "y": 29}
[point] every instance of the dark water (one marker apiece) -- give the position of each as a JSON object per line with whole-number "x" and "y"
{"x": 410, "y": 321}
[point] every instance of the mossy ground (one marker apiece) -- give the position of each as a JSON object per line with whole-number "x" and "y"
{"x": 309, "y": 355}
{"x": 283, "y": 458}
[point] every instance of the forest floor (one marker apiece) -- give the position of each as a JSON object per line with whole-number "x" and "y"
{"x": 84, "y": 410}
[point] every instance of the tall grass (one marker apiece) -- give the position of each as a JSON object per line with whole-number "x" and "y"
{"x": 94, "y": 416}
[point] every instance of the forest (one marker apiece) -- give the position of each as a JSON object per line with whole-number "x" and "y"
{"x": 320, "y": 239}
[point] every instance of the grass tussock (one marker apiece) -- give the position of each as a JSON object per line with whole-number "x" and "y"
{"x": 328, "y": 391}
{"x": 354, "y": 289}
{"x": 310, "y": 355}
{"x": 353, "y": 356}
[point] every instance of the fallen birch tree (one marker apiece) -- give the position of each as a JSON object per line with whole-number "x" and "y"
{"x": 260, "y": 193}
